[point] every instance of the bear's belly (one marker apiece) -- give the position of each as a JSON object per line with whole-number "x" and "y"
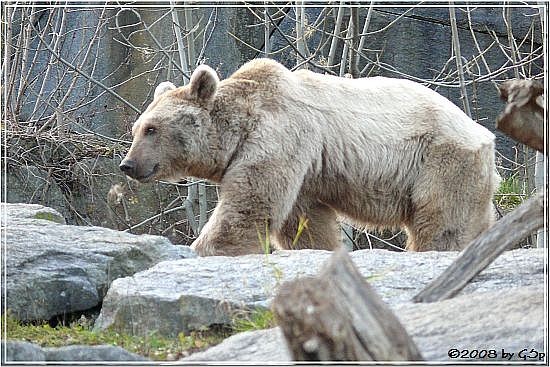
{"x": 372, "y": 205}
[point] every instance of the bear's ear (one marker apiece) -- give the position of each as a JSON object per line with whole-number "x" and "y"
{"x": 163, "y": 88}
{"x": 203, "y": 83}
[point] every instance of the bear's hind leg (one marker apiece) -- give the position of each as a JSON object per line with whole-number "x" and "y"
{"x": 440, "y": 220}
{"x": 432, "y": 236}
{"x": 319, "y": 229}
{"x": 451, "y": 201}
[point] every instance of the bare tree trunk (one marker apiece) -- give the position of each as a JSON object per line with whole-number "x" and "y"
{"x": 365, "y": 27}
{"x": 353, "y": 55}
{"x": 300, "y": 40}
{"x": 335, "y": 35}
{"x": 192, "y": 194}
{"x": 203, "y": 206}
{"x": 6, "y": 70}
{"x": 267, "y": 31}
{"x": 179, "y": 39}
{"x": 190, "y": 36}
{"x": 337, "y": 316}
{"x": 345, "y": 49}
{"x": 459, "y": 67}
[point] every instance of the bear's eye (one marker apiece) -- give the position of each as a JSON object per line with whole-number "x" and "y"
{"x": 150, "y": 131}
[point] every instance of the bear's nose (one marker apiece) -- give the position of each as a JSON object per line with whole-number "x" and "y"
{"x": 128, "y": 166}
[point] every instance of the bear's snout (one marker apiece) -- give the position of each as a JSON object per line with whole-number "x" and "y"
{"x": 128, "y": 166}
{"x": 138, "y": 171}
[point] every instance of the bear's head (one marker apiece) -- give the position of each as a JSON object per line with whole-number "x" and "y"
{"x": 172, "y": 139}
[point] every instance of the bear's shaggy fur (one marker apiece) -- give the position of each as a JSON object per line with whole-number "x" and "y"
{"x": 289, "y": 147}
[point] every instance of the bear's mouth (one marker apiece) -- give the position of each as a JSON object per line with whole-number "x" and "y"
{"x": 149, "y": 176}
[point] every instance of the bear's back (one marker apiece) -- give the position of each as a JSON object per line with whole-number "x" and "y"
{"x": 261, "y": 71}
{"x": 392, "y": 104}
{"x": 381, "y": 108}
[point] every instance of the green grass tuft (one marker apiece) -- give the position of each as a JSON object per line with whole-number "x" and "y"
{"x": 510, "y": 193}
{"x": 48, "y": 216}
{"x": 265, "y": 242}
{"x": 302, "y": 224}
{"x": 257, "y": 319}
{"x": 153, "y": 346}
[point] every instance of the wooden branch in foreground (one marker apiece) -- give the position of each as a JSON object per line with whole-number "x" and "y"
{"x": 337, "y": 316}
{"x": 511, "y": 229}
{"x": 522, "y": 118}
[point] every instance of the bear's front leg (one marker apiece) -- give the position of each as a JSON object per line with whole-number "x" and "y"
{"x": 232, "y": 231}
{"x": 257, "y": 197}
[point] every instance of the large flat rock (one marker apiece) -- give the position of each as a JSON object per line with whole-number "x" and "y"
{"x": 508, "y": 320}
{"x": 183, "y": 295}
{"x": 54, "y": 269}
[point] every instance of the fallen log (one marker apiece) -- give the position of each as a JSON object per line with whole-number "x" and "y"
{"x": 337, "y": 316}
{"x": 522, "y": 118}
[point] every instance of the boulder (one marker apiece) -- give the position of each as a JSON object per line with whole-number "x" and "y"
{"x": 267, "y": 345}
{"x": 56, "y": 269}
{"x": 91, "y": 353}
{"x": 509, "y": 321}
{"x": 35, "y": 214}
{"x": 22, "y": 351}
{"x": 191, "y": 294}
{"x": 18, "y": 351}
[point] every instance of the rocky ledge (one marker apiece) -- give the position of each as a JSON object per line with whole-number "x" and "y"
{"x": 191, "y": 294}
{"x": 148, "y": 286}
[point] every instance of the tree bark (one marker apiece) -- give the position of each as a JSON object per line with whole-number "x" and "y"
{"x": 337, "y": 316}
{"x": 524, "y": 220}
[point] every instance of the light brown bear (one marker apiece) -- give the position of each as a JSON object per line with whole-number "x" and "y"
{"x": 299, "y": 146}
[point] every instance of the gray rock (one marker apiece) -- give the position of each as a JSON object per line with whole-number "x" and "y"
{"x": 18, "y": 214}
{"x": 91, "y": 353}
{"x": 54, "y": 269}
{"x": 188, "y": 294}
{"x": 28, "y": 352}
{"x": 250, "y": 346}
{"x": 510, "y": 321}
{"x": 21, "y": 352}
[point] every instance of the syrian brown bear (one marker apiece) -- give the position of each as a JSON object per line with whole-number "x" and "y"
{"x": 292, "y": 149}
